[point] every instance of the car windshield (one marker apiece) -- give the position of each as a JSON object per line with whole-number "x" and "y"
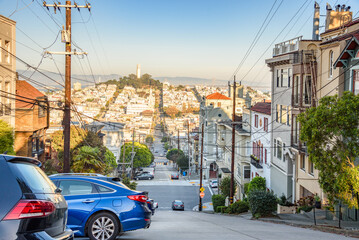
{"x": 178, "y": 202}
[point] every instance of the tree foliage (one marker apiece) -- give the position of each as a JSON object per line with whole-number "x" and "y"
{"x": 88, "y": 154}
{"x": 6, "y": 138}
{"x": 225, "y": 186}
{"x": 171, "y": 111}
{"x": 332, "y": 137}
{"x": 143, "y": 156}
{"x": 145, "y": 80}
{"x": 262, "y": 203}
{"x": 257, "y": 183}
{"x": 149, "y": 139}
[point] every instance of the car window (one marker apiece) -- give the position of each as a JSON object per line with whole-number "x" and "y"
{"x": 102, "y": 189}
{"x": 71, "y": 187}
{"x": 31, "y": 178}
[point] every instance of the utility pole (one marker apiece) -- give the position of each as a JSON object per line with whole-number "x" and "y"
{"x": 66, "y": 37}
{"x": 189, "y": 161}
{"x": 178, "y": 140}
{"x": 123, "y": 159}
{"x": 200, "y": 171}
{"x": 133, "y": 150}
{"x": 231, "y": 193}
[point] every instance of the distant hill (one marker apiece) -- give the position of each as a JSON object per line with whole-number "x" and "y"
{"x": 192, "y": 81}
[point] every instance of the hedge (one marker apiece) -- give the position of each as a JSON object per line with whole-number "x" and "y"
{"x": 218, "y": 200}
{"x": 262, "y": 203}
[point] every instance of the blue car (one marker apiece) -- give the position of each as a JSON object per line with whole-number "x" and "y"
{"x": 99, "y": 208}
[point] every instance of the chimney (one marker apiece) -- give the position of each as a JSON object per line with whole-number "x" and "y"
{"x": 342, "y": 8}
{"x": 316, "y": 21}
{"x": 337, "y": 7}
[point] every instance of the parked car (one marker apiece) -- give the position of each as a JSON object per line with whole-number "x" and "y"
{"x": 96, "y": 203}
{"x": 152, "y": 205}
{"x": 144, "y": 176}
{"x": 174, "y": 176}
{"x": 33, "y": 207}
{"x": 213, "y": 183}
{"x": 178, "y": 205}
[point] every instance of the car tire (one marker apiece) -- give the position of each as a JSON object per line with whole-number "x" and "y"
{"x": 103, "y": 223}
{"x": 136, "y": 178}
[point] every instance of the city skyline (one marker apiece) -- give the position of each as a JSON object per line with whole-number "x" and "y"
{"x": 201, "y": 39}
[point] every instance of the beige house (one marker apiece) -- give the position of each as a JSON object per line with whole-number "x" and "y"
{"x": 7, "y": 70}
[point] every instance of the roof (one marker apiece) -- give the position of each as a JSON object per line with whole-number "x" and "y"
{"x": 26, "y": 94}
{"x": 348, "y": 51}
{"x": 351, "y": 23}
{"x": 217, "y": 96}
{"x": 262, "y": 107}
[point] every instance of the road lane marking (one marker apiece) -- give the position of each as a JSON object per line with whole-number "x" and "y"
{"x": 210, "y": 190}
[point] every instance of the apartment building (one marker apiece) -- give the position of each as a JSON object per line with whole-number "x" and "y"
{"x": 7, "y": 69}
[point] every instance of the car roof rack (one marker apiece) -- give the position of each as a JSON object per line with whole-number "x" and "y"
{"x": 78, "y": 174}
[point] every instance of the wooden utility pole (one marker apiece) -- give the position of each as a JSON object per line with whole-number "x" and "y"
{"x": 231, "y": 193}
{"x": 178, "y": 140}
{"x": 66, "y": 37}
{"x": 200, "y": 171}
{"x": 189, "y": 154}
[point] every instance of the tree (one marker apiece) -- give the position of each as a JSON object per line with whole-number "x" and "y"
{"x": 86, "y": 160}
{"x": 257, "y": 183}
{"x": 143, "y": 156}
{"x": 149, "y": 139}
{"x": 332, "y": 137}
{"x": 225, "y": 186}
{"x": 174, "y": 154}
{"x": 171, "y": 111}
{"x": 182, "y": 161}
{"x": 6, "y": 138}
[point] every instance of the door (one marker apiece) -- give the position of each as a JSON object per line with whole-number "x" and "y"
{"x": 82, "y": 197}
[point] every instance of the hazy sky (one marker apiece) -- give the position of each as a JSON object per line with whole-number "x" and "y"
{"x": 194, "y": 38}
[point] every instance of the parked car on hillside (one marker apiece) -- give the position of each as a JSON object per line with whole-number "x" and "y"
{"x": 99, "y": 204}
{"x": 174, "y": 176}
{"x": 144, "y": 176}
{"x": 33, "y": 207}
{"x": 213, "y": 183}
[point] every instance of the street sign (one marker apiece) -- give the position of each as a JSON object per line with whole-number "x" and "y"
{"x": 202, "y": 189}
{"x": 201, "y": 194}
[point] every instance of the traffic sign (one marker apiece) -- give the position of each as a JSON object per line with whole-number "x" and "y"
{"x": 202, "y": 189}
{"x": 201, "y": 194}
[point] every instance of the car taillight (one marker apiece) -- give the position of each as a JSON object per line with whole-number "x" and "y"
{"x": 139, "y": 198}
{"x": 30, "y": 209}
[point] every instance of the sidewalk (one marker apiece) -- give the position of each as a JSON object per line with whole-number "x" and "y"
{"x": 206, "y": 207}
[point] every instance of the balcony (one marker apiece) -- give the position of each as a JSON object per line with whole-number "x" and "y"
{"x": 255, "y": 162}
{"x": 287, "y": 46}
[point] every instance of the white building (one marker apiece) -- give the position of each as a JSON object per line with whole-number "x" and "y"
{"x": 261, "y": 141}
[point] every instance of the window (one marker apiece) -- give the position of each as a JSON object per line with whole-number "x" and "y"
{"x": 219, "y": 104}
{"x": 239, "y": 170}
{"x": 284, "y": 77}
{"x": 283, "y": 114}
{"x": 266, "y": 124}
{"x": 108, "y": 140}
{"x": 265, "y": 156}
{"x": 331, "y": 56}
{"x": 247, "y": 171}
{"x": 289, "y": 115}
{"x": 279, "y": 149}
{"x": 281, "y": 77}
{"x": 275, "y": 148}
{"x": 356, "y": 81}
{"x": 7, "y": 52}
{"x": 289, "y": 76}
{"x": 277, "y": 77}
{"x": 102, "y": 189}
{"x": 76, "y": 188}
{"x": 41, "y": 110}
{"x": 307, "y": 91}
{"x": 277, "y": 113}
{"x": 302, "y": 162}
{"x": 296, "y": 89}
{"x": 295, "y": 131}
{"x": 256, "y": 120}
{"x": 311, "y": 168}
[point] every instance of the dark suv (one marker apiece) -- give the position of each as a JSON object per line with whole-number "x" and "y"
{"x": 31, "y": 205}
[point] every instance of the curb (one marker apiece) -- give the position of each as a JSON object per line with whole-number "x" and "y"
{"x": 322, "y": 228}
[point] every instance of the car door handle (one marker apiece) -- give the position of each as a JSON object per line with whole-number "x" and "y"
{"x": 88, "y": 201}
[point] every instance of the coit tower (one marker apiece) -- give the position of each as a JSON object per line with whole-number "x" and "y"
{"x": 138, "y": 71}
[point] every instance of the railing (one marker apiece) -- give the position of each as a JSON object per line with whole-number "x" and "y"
{"x": 287, "y": 46}
{"x": 255, "y": 162}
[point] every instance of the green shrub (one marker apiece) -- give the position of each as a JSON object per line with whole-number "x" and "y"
{"x": 224, "y": 186}
{"x": 257, "y": 183}
{"x": 246, "y": 185}
{"x": 262, "y": 203}
{"x": 221, "y": 209}
{"x": 238, "y": 207}
{"x": 218, "y": 200}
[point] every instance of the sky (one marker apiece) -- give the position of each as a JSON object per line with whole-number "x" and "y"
{"x": 169, "y": 38}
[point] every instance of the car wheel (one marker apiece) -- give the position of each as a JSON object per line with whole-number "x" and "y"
{"x": 136, "y": 178}
{"x": 103, "y": 226}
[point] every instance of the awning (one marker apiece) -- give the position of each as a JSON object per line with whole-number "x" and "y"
{"x": 348, "y": 52}
{"x": 225, "y": 170}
